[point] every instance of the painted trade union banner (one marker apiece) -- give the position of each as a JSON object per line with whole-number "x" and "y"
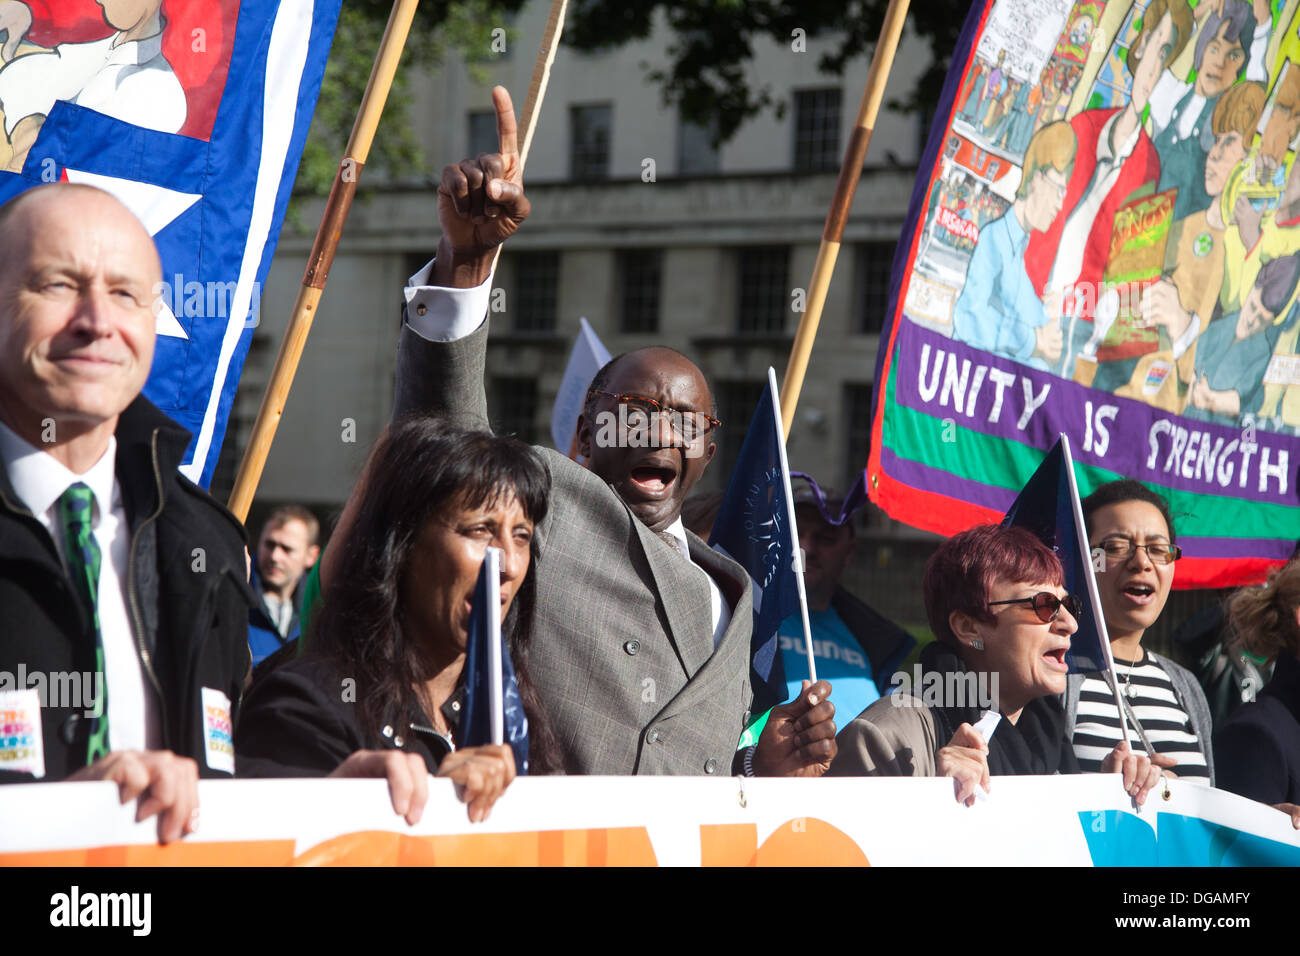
{"x": 1104, "y": 241}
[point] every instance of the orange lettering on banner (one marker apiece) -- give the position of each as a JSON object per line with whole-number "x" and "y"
{"x": 233, "y": 853}
{"x": 798, "y": 842}
{"x": 803, "y": 842}
{"x": 625, "y": 846}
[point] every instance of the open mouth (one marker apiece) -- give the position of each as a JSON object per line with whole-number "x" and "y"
{"x": 1055, "y": 658}
{"x": 653, "y": 481}
{"x": 1139, "y": 593}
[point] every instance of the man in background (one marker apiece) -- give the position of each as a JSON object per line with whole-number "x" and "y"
{"x": 856, "y": 648}
{"x": 286, "y": 551}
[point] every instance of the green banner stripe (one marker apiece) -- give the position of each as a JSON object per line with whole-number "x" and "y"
{"x": 996, "y": 461}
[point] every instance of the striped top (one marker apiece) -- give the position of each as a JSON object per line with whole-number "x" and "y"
{"x": 1151, "y": 695}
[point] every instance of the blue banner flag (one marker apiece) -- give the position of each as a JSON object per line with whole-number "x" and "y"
{"x": 755, "y": 527}
{"x": 1048, "y": 506}
{"x": 194, "y": 115}
{"x": 494, "y": 711}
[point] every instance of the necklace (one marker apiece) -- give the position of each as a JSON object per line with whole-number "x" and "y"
{"x": 1129, "y": 690}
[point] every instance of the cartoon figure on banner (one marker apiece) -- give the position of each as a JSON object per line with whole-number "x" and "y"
{"x": 1181, "y": 111}
{"x": 1264, "y": 193}
{"x": 998, "y": 309}
{"x": 1261, "y": 178}
{"x": 1181, "y": 304}
{"x": 1115, "y": 160}
{"x": 1235, "y": 350}
{"x": 112, "y": 56}
{"x": 992, "y": 93}
{"x": 974, "y": 93}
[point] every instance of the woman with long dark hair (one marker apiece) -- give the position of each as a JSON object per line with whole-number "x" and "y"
{"x": 378, "y": 689}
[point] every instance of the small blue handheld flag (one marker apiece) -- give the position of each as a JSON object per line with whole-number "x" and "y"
{"x": 755, "y": 527}
{"x": 1049, "y": 506}
{"x": 494, "y": 712}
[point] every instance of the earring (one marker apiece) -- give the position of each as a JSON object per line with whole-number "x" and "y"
{"x": 977, "y": 643}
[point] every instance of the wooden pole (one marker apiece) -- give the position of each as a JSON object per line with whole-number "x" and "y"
{"x": 537, "y": 88}
{"x": 838, "y": 214}
{"x": 322, "y": 256}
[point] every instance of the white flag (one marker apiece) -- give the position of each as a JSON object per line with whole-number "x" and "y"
{"x": 586, "y": 359}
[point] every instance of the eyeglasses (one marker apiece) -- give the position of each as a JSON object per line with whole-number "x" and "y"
{"x": 689, "y": 426}
{"x": 1160, "y": 552}
{"x": 1047, "y": 605}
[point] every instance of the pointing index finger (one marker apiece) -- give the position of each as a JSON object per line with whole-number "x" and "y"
{"x": 507, "y": 127}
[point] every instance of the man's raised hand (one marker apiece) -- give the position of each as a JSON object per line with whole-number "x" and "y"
{"x": 481, "y": 203}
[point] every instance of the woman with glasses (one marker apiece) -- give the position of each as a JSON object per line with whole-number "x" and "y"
{"x": 984, "y": 699}
{"x": 1132, "y": 536}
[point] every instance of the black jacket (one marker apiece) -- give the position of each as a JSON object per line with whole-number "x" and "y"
{"x": 1257, "y": 750}
{"x": 187, "y": 597}
{"x": 301, "y": 720}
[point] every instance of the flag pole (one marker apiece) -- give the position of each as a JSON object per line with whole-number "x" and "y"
{"x": 496, "y": 697}
{"x": 322, "y": 256}
{"x": 1094, "y": 596}
{"x": 537, "y": 89}
{"x": 841, "y": 202}
{"x": 796, "y": 551}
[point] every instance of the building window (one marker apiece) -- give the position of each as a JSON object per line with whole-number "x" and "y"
{"x": 763, "y": 295}
{"x": 696, "y": 154}
{"x": 537, "y": 277}
{"x": 590, "y": 137}
{"x": 872, "y": 272}
{"x": 736, "y": 404}
{"x": 483, "y": 133}
{"x": 639, "y": 273}
{"x": 816, "y": 130}
{"x": 513, "y": 408}
{"x": 857, "y": 426}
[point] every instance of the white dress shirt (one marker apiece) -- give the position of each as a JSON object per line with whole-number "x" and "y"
{"x": 39, "y": 481}
{"x": 438, "y": 314}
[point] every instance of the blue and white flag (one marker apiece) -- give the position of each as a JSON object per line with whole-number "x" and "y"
{"x": 198, "y": 128}
{"x": 1049, "y": 506}
{"x": 494, "y": 712}
{"x": 755, "y": 527}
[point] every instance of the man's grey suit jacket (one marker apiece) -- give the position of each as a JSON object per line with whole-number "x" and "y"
{"x": 622, "y": 647}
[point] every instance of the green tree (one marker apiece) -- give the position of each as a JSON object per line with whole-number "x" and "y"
{"x": 440, "y": 26}
{"x": 706, "y": 76}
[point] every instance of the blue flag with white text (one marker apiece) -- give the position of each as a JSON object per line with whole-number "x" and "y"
{"x": 194, "y": 115}
{"x": 476, "y": 726}
{"x": 753, "y": 528}
{"x": 1045, "y": 506}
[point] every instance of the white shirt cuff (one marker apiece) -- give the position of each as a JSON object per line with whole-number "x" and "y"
{"x": 439, "y": 314}
{"x": 1184, "y": 341}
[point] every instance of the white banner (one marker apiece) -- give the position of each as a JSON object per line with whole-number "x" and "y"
{"x": 1084, "y": 820}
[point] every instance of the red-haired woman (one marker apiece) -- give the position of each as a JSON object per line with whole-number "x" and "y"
{"x": 986, "y": 700}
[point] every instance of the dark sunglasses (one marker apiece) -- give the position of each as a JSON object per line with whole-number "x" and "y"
{"x": 1047, "y": 605}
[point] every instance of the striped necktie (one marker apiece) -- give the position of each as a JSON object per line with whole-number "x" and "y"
{"x": 670, "y": 539}
{"x": 74, "y": 509}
